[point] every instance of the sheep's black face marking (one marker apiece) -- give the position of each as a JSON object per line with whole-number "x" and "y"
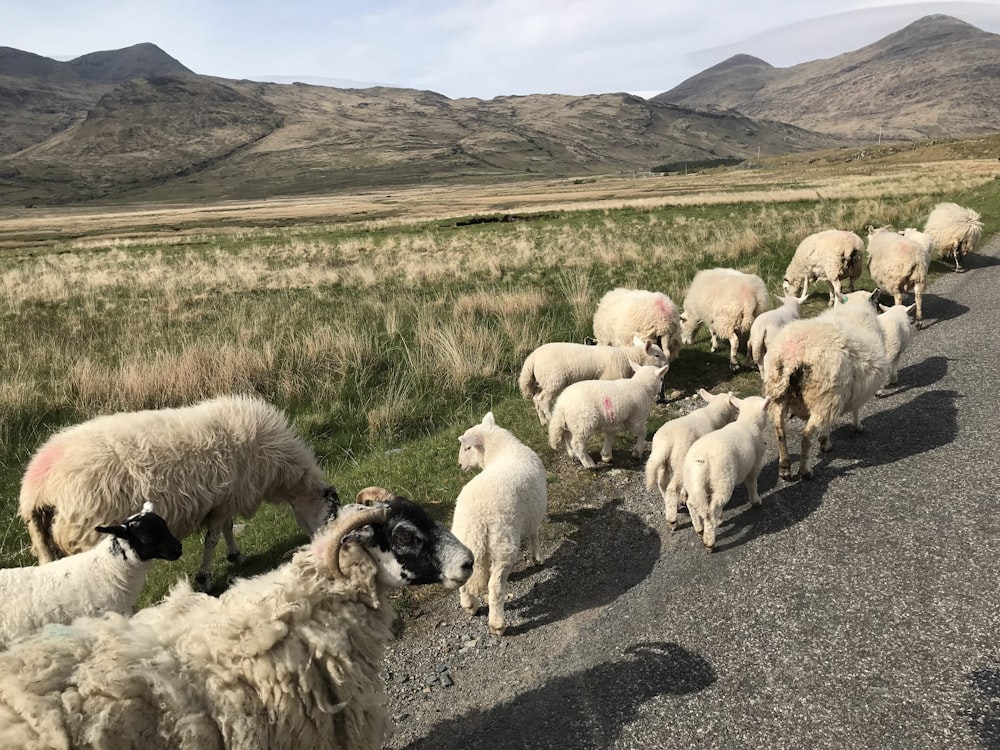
{"x": 148, "y": 535}
{"x": 332, "y": 500}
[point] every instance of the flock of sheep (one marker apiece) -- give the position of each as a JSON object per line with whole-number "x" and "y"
{"x": 292, "y": 658}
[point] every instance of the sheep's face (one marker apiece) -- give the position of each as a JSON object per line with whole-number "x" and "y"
{"x": 144, "y": 536}
{"x": 312, "y": 513}
{"x": 791, "y": 288}
{"x": 471, "y": 450}
{"x": 689, "y": 327}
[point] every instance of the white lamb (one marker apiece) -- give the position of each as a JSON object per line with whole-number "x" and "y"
{"x": 286, "y": 660}
{"x": 496, "y": 511}
{"x": 720, "y": 460}
{"x": 898, "y": 264}
{"x": 727, "y": 301}
{"x": 819, "y": 368}
{"x": 833, "y": 254}
{"x": 665, "y": 465}
{"x": 551, "y": 367}
{"x": 105, "y": 578}
{"x": 955, "y": 231}
{"x": 201, "y": 465}
{"x": 897, "y": 333}
{"x": 609, "y": 406}
{"x": 623, "y": 314}
{"x": 766, "y": 326}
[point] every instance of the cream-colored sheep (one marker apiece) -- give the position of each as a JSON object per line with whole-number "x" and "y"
{"x": 623, "y": 314}
{"x": 955, "y": 231}
{"x": 833, "y": 254}
{"x": 897, "y": 333}
{"x": 766, "y": 326}
{"x": 898, "y": 264}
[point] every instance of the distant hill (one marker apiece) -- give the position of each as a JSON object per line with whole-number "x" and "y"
{"x": 937, "y": 77}
{"x": 137, "y": 61}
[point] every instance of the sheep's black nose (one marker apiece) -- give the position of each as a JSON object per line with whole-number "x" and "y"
{"x": 467, "y": 566}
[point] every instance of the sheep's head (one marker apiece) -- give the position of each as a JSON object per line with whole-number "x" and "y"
{"x": 472, "y": 444}
{"x": 145, "y": 535}
{"x": 689, "y": 327}
{"x": 794, "y": 288}
{"x": 314, "y": 508}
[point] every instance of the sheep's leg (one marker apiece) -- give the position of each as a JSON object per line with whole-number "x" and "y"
{"x": 713, "y": 518}
{"x": 203, "y": 578}
{"x": 918, "y": 296}
{"x": 784, "y": 461}
{"x": 578, "y": 448}
{"x": 498, "y": 593}
{"x": 542, "y": 408}
{"x": 897, "y": 297}
{"x": 233, "y": 553}
{"x": 671, "y": 500}
{"x": 856, "y": 420}
{"x": 751, "y": 485}
{"x": 696, "y": 519}
{"x": 609, "y": 444}
{"x": 536, "y": 548}
{"x": 639, "y": 432}
{"x": 715, "y": 339}
{"x": 734, "y": 348}
{"x": 825, "y": 443}
{"x": 835, "y": 295}
{"x": 808, "y": 432}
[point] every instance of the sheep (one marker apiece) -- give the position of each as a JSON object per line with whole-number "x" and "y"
{"x": 720, "y": 460}
{"x": 819, "y": 368}
{"x": 833, "y": 254}
{"x": 553, "y": 366}
{"x": 727, "y": 301}
{"x": 105, "y": 578}
{"x": 496, "y": 511}
{"x": 664, "y": 467}
{"x": 955, "y": 231}
{"x": 287, "y": 659}
{"x": 898, "y": 264}
{"x": 766, "y": 326}
{"x": 623, "y": 314}
{"x": 896, "y": 332}
{"x": 606, "y": 405}
{"x": 201, "y": 465}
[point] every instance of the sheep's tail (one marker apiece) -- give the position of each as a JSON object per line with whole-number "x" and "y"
{"x": 557, "y": 429}
{"x": 850, "y": 261}
{"x": 783, "y": 383}
{"x": 526, "y": 382}
{"x": 657, "y": 471}
{"x": 40, "y": 531}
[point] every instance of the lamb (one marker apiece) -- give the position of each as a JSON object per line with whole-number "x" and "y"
{"x": 287, "y": 659}
{"x": 665, "y": 465}
{"x": 720, "y": 460}
{"x": 105, "y": 578}
{"x": 766, "y": 326}
{"x": 898, "y": 264}
{"x": 727, "y": 301}
{"x": 495, "y": 511}
{"x": 606, "y": 405}
{"x": 833, "y": 254}
{"x": 553, "y": 366}
{"x": 623, "y": 314}
{"x": 201, "y": 465}
{"x": 955, "y": 231}
{"x": 819, "y": 368}
{"x": 896, "y": 332}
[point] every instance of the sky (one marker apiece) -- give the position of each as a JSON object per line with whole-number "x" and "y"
{"x": 471, "y": 48}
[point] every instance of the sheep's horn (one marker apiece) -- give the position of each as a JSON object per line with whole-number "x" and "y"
{"x": 370, "y": 495}
{"x": 367, "y": 517}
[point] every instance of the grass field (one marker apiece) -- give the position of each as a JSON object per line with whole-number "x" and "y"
{"x": 386, "y": 324}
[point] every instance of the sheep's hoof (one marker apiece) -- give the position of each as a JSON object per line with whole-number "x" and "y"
{"x": 203, "y": 581}
{"x": 498, "y": 631}
{"x": 920, "y": 325}
{"x": 709, "y": 548}
{"x": 881, "y": 393}
{"x": 605, "y": 459}
{"x": 735, "y": 366}
{"x": 672, "y": 525}
{"x": 236, "y": 558}
{"x": 806, "y": 474}
{"x": 786, "y": 473}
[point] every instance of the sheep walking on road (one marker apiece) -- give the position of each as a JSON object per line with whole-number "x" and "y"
{"x": 896, "y": 333}
{"x": 955, "y": 231}
{"x": 898, "y": 264}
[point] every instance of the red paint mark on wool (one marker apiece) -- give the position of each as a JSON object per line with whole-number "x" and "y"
{"x": 793, "y": 348}
{"x": 663, "y": 306}
{"x": 609, "y": 409}
{"x": 41, "y": 463}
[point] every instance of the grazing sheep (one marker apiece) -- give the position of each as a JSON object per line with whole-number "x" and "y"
{"x": 105, "y": 578}
{"x": 955, "y": 231}
{"x": 896, "y": 332}
{"x": 551, "y": 367}
{"x": 898, "y": 264}
{"x": 833, "y": 254}
{"x": 607, "y": 405}
{"x": 623, "y": 314}
{"x": 822, "y": 367}
{"x": 720, "y": 460}
{"x": 288, "y": 659}
{"x": 727, "y": 301}
{"x": 496, "y": 511}
{"x": 201, "y": 465}
{"x": 766, "y": 326}
{"x": 665, "y": 465}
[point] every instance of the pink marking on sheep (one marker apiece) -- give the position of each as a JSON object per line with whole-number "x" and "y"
{"x": 609, "y": 409}
{"x": 663, "y": 307}
{"x": 793, "y": 348}
{"x": 41, "y": 463}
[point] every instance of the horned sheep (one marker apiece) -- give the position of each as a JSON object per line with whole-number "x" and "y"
{"x": 665, "y": 465}
{"x": 202, "y": 466}
{"x": 955, "y": 231}
{"x": 766, "y": 326}
{"x": 833, "y": 254}
{"x": 105, "y": 578}
{"x": 553, "y": 366}
{"x": 288, "y": 659}
{"x": 496, "y": 511}
{"x": 608, "y": 406}
{"x": 720, "y": 460}
{"x": 822, "y": 367}
{"x": 898, "y": 264}
{"x": 727, "y": 301}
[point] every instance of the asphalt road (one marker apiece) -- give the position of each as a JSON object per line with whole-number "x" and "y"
{"x": 856, "y": 610}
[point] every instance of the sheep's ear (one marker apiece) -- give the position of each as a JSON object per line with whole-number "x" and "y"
{"x": 147, "y": 507}
{"x": 911, "y": 307}
{"x": 489, "y": 419}
{"x": 115, "y": 530}
{"x": 475, "y": 440}
{"x": 875, "y": 295}
{"x": 634, "y": 366}
{"x": 882, "y": 307}
{"x": 705, "y": 395}
{"x": 662, "y": 371}
{"x": 766, "y": 403}
{"x": 636, "y": 341}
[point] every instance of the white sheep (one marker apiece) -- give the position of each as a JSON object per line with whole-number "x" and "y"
{"x": 607, "y": 405}
{"x": 727, "y": 301}
{"x": 553, "y": 366}
{"x": 898, "y": 264}
{"x": 819, "y": 368}
{"x": 720, "y": 460}
{"x": 289, "y": 659}
{"x": 955, "y": 231}
{"x": 623, "y": 314}
{"x": 496, "y": 511}
{"x": 766, "y": 326}
{"x": 202, "y": 466}
{"x": 833, "y": 254}
{"x": 897, "y": 333}
{"x": 665, "y": 465}
{"x": 105, "y": 578}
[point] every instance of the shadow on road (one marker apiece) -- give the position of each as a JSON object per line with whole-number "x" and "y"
{"x": 982, "y": 707}
{"x": 580, "y": 711}
{"x": 918, "y": 375}
{"x": 939, "y": 309}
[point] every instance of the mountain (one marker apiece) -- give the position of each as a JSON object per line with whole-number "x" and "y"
{"x": 937, "y": 77}
{"x": 137, "y": 61}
